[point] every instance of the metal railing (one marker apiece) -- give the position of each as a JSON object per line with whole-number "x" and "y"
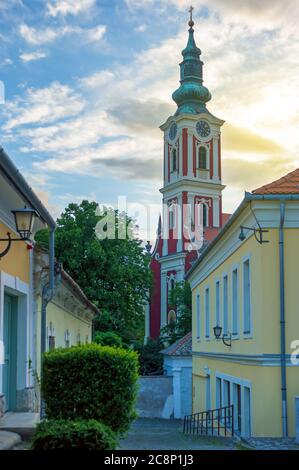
{"x": 218, "y": 422}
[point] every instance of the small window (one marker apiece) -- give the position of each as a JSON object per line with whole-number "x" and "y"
{"x": 171, "y": 317}
{"x": 235, "y": 302}
{"x": 198, "y": 315}
{"x": 172, "y": 218}
{"x": 51, "y": 343}
{"x": 203, "y": 215}
{"x": 174, "y": 160}
{"x": 207, "y": 313}
{"x": 225, "y": 305}
{"x": 67, "y": 338}
{"x": 246, "y": 297}
{"x": 202, "y": 158}
{"x": 218, "y": 303}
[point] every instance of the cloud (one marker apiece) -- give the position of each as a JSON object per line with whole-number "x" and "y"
{"x": 7, "y": 61}
{"x": 109, "y": 119}
{"x": 69, "y": 7}
{"x": 247, "y": 174}
{"x": 132, "y": 168}
{"x": 31, "y": 56}
{"x": 48, "y": 35}
{"x": 256, "y": 14}
{"x": 239, "y": 139}
{"x": 44, "y": 105}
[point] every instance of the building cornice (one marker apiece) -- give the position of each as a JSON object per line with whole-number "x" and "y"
{"x": 273, "y": 360}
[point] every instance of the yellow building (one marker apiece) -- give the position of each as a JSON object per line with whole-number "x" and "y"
{"x": 69, "y": 312}
{"x": 16, "y": 294}
{"x": 250, "y": 289}
{"x": 41, "y": 306}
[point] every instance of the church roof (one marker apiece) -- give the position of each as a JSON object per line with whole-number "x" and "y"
{"x": 288, "y": 184}
{"x": 182, "y": 347}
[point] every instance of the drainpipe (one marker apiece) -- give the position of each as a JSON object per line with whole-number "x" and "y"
{"x": 282, "y": 323}
{"x": 47, "y": 295}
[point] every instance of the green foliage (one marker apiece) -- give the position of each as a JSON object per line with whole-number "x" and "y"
{"x": 91, "y": 382}
{"x": 113, "y": 273}
{"x": 150, "y": 358}
{"x": 73, "y": 435}
{"x": 181, "y": 301}
{"x": 108, "y": 338}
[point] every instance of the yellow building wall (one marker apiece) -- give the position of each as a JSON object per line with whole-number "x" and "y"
{"x": 61, "y": 320}
{"x": 17, "y": 261}
{"x": 265, "y": 311}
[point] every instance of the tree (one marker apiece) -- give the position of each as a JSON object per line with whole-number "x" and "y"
{"x": 113, "y": 273}
{"x": 181, "y": 301}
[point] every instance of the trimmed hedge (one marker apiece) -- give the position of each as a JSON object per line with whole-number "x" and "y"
{"x": 91, "y": 382}
{"x": 73, "y": 435}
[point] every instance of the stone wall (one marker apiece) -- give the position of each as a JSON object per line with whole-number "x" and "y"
{"x": 28, "y": 400}
{"x": 155, "y": 399}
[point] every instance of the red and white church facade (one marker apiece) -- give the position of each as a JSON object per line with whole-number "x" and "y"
{"x": 192, "y": 187}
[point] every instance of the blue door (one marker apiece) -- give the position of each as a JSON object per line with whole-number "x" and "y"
{"x": 10, "y": 352}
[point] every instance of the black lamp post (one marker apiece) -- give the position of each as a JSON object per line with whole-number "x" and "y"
{"x": 24, "y": 220}
{"x": 226, "y": 339}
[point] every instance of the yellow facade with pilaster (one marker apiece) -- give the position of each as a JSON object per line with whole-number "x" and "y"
{"x": 247, "y": 374}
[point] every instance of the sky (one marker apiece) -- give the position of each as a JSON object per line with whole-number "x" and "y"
{"x": 89, "y": 82}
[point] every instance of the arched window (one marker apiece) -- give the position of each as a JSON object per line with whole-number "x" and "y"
{"x": 202, "y": 158}
{"x": 171, "y": 317}
{"x": 203, "y": 214}
{"x": 205, "y": 221}
{"x": 174, "y": 165}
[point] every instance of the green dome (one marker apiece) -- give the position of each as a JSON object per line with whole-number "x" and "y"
{"x": 191, "y": 97}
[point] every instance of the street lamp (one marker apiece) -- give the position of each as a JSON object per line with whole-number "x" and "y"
{"x": 258, "y": 234}
{"x": 226, "y": 339}
{"x": 24, "y": 220}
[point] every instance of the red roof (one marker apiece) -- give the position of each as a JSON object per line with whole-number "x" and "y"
{"x": 288, "y": 184}
{"x": 182, "y": 347}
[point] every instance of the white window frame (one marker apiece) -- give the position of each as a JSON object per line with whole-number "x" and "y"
{"x": 247, "y": 334}
{"x": 207, "y": 313}
{"x": 235, "y": 315}
{"x": 225, "y": 276}
{"x": 198, "y": 317}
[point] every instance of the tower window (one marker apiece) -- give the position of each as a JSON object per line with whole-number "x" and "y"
{"x": 174, "y": 160}
{"x": 203, "y": 214}
{"x": 202, "y": 158}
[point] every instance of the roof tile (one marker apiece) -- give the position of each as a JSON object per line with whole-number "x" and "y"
{"x": 288, "y": 184}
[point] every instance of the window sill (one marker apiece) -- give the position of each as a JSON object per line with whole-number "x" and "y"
{"x": 247, "y": 335}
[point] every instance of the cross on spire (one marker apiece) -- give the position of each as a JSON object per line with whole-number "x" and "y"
{"x": 191, "y": 22}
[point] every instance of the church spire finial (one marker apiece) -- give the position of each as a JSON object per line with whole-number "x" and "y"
{"x": 191, "y": 22}
{"x": 191, "y": 97}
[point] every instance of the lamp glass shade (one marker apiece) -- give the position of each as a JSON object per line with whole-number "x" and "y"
{"x": 242, "y": 235}
{"x": 217, "y": 331}
{"x": 24, "y": 219}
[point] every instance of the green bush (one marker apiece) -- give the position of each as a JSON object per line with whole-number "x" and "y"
{"x": 91, "y": 382}
{"x": 73, "y": 435}
{"x": 108, "y": 338}
{"x": 150, "y": 357}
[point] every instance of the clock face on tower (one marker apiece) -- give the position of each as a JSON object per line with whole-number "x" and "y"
{"x": 203, "y": 129}
{"x": 173, "y": 131}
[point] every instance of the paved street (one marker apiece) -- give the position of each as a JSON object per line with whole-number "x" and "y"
{"x": 159, "y": 434}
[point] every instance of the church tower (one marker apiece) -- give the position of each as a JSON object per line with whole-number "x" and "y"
{"x": 192, "y": 188}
